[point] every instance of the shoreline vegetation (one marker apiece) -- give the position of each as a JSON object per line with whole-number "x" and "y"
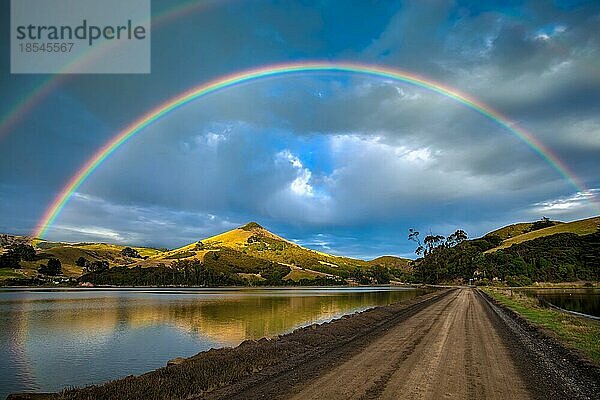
{"x": 575, "y": 332}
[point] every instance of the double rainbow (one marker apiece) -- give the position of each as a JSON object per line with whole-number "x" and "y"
{"x": 286, "y": 69}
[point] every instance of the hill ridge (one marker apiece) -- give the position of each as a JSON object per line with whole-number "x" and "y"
{"x": 580, "y": 227}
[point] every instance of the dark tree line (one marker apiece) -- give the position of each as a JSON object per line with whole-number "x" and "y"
{"x": 218, "y": 268}
{"x": 559, "y": 257}
{"x": 196, "y": 273}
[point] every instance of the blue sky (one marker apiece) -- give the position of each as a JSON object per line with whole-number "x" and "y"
{"x": 340, "y": 163}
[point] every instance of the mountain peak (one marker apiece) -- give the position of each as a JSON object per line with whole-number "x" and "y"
{"x": 251, "y": 226}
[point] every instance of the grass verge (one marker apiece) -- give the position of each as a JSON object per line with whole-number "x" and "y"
{"x": 7, "y": 273}
{"x": 576, "y": 332}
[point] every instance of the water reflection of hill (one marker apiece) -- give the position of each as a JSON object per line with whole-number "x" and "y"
{"x": 227, "y": 318}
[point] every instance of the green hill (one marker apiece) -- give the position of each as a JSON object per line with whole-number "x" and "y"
{"x": 392, "y": 262}
{"x": 565, "y": 252}
{"x": 68, "y": 254}
{"x": 255, "y": 241}
{"x": 249, "y": 254}
{"x": 579, "y": 227}
{"x": 509, "y": 231}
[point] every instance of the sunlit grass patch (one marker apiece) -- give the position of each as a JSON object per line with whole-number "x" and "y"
{"x": 8, "y": 273}
{"x": 297, "y": 273}
{"x": 581, "y": 227}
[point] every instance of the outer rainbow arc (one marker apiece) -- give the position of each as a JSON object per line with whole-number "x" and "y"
{"x": 281, "y": 69}
{"x": 25, "y": 106}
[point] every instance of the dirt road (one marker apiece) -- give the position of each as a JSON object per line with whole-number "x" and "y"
{"x": 458, "y": 347}
{"x": 449, "y": 350}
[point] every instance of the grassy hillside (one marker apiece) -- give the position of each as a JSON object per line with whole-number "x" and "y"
{"x": 255, "y": 241}
{"x": 580, "y": 227}
{"x": 566, "y": 252}
{"x": 392, "y": 262}
{"x": 249, "y": 254}
{"x": 67, "y": 253}
{"x": 507, "y": 232}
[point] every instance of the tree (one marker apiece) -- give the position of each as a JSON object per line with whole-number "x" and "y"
{"x": 129, "y": 252}
{"x": 81, "y": 262}
{"x": 360, "y": 277}
{"x": 15, "y": 254}
{"x": 541, "y": 224}
{"x": 456, "y": 238}
{"x": 26, "y": 252}
{"x": 52, "y": 268}
{"x": 414, "y": 236}
{"x": 431, "y": 242}
{"x": 381, "y": 274}
{"x": 10, "y": 259}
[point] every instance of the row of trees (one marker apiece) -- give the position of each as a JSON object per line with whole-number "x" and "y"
{"x": 218, "y": 268}
{"x": 560, "y": 257}
{"x": 192, "y": 273}
{"x": 432, "y": 242}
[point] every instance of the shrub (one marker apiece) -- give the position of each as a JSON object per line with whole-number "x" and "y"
{"x": 129, "y": 252}
{"x": 81, "y": 262}
{"x": 53, "y": 267}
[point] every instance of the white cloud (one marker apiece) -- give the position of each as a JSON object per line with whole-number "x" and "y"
{"x": 91, "y": 218}
{"x": 421, "y": 155}
{"x": 94, "y": 232}
{"x": 211, "y": 139}
{"x": 301, "y": 184}
{"x": 548, "y": 34}
{"x": 567, "y": 204}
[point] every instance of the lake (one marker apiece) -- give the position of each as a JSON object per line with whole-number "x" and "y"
{"x": 51, "y": 338}
{"x": 584, "y": 300}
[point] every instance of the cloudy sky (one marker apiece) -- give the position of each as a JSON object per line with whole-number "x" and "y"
{"x": 341, "y": 163}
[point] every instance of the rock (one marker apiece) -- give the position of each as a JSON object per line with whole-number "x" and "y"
{"x": 263, "y": 341}
{"x": 247, "y": 343}
{"x": 175, "y": 361}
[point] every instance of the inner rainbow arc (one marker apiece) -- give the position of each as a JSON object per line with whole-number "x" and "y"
{"x": 291, "y": 68}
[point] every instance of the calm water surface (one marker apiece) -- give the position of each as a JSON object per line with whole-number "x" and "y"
{"x": 53, "y": 338}
{"x": 586, "y": 300}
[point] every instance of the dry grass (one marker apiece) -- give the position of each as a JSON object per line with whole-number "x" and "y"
{"x": 8, "y": 273}
{"x": 300, "y": 273}
{"x": 581, "y": 227}
{"x": 510, "y": 231}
